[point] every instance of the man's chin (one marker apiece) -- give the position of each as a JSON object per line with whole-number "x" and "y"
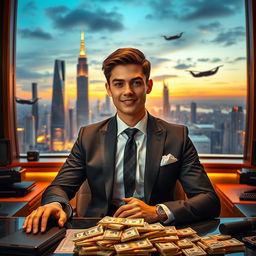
{"x": 130, "y": 111}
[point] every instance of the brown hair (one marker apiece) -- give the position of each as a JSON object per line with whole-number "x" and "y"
{"x": 124, "y": 56}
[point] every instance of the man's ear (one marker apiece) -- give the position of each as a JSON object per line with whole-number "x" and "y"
{"x": 149, "y": 86}
{"x": 107, "y": 86}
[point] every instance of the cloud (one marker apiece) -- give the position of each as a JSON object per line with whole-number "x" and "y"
{"x": 183, "y": 66}
{"x": 163, "y": 77}
{"x": 52, "y": 12}
{"x": 230, "y": 37}
{"x": 29, "y": 8}
{"x": 213, "y": 60}
{"x": 239, "y": 59}
{"x": 22, "y": 73}
{"x": 157, "y": 61}
{"x": 95, "y": 62}
{"x": 162, "y": 9}
{"x": 203, "y": 59}
{"x": 205, "y": 9}
{"x": 216, "y": 60}
{"x": 206, "y": 28}
{"x": 236, "y": 60}
{"x": 37, "y": 33}
{"x": 94, "y": 20}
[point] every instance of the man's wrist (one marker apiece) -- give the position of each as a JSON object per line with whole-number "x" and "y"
{"x": 57, "y": 203}
{"x": 162, "y": 216}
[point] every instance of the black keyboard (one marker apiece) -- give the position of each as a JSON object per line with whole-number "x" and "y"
{"x": 248, "y": 195}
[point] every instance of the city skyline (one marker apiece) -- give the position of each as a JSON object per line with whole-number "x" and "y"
{"x": 72, "y": 94}
{"x": 210, "y": 41}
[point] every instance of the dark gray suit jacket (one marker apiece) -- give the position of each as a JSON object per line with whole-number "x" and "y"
{"x": 93, "y": 158}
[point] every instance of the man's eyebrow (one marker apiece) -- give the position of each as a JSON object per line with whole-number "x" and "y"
{"x": 121, "y": 80}
{"x": 117, "y": 80}
{"x": 137, "y": 78}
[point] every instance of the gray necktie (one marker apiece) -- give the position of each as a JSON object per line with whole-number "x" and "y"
{"x": 130, "y": 162}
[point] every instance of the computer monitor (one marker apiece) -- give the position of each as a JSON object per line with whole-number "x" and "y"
{"x": 5, "y": 153}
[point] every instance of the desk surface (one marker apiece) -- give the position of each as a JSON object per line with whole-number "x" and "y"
{"x": 35, "y": 191}
{"x": 22, "y": 206}
{"x": 233, "y": 191}
{"x": 9, "y": 225}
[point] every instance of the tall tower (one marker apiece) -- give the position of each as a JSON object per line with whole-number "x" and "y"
{"x": 30, "y": 132}
{"x": 35, "y": 108}
{"x": 166, "y": 103}
{"x": 193, "y": 113}
{"x": 237, "y": 128}
{"x": 107, "y": 103}
{"x": 58, "y": 107}
{"x": 71, "y": 124}
{"x": 82, "y": 102}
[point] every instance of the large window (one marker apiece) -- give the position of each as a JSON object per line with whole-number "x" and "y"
{"x": 198, "y": 55}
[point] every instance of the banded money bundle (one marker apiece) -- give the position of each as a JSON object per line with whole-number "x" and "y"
{"x": 121, "y": 236}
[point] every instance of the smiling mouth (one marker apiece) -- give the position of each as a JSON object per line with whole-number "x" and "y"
{"x": 128, "y": 101}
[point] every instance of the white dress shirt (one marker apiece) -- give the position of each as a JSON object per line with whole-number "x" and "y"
{"x": 141, "y": 142}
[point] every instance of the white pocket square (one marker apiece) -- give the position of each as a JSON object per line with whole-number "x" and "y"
{"x": 168, "y": 159}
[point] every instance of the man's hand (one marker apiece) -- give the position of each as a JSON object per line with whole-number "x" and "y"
{"x": 135, "y": 208}
{"x": 42, "y": 213}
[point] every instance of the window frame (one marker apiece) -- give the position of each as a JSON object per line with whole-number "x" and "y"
{"x": 8, "y": 14}
{"x": 7, "y": 84}
{"x": 250, "y": 132}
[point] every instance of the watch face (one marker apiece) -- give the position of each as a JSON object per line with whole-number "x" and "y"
{"x": 160, "y": 210}
{"x": 161, "y": 213}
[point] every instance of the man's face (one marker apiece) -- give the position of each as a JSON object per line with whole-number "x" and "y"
{"x": 128, "y": 88}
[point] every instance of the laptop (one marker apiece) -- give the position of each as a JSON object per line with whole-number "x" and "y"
{"x": 17, "y": 189}
{"x": 20, "y": 243}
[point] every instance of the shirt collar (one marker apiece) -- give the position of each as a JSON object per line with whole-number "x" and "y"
{"x": 141, "y": 125}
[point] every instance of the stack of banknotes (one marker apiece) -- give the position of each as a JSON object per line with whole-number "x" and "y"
{"x": 121, "y": 236}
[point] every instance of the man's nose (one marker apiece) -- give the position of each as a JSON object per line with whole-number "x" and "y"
{"x": 128, "y": 89}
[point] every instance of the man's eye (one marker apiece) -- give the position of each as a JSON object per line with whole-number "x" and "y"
{"x": 118, "y": 84}
{"x": 137, "y": 83}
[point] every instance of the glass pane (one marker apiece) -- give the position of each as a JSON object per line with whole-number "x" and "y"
{"x": 197, "y": 50}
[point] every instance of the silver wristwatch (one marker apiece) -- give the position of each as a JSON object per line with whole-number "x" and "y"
{"x": 161, "y": 213}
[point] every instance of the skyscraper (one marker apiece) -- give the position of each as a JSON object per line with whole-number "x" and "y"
{"x": 35, "y": 108}
{"x": 30, "y": 132}
{"x": 58, "y": 107}
{"x": 177, "y": 112}
{"x": 107, "y": 104}
{"x": 166, "y": 103}
{"x": 193, "y": 112}
{"x": 237, "y": 128}
{"x": 71, "y": 124}
{"x": 82, "y": 103}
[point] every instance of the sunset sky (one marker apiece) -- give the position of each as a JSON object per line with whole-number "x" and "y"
{"x": 214, "y": 34}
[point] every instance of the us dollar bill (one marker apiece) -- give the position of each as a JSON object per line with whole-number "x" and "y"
{"x": 90, "y": 232}
{"x": 130, "y": 234}
{"x": 111, "y": 234}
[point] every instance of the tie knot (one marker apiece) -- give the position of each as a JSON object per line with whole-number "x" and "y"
{"x": 131, "y": 132}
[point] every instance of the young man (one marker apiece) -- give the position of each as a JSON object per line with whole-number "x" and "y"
{"x": 131, "y": 161}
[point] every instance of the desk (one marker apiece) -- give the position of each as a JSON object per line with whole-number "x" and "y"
{"x": 22, "y": 206}
{"x": 232, "y": 206}
{"x": 9, "y": 225}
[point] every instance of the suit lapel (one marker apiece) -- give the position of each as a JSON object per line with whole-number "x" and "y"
{"x": 108, "y": 146}
{"x": 155, "y": 145}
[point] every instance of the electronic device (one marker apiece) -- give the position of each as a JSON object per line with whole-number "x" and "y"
{"x": 17, "y": 189}
{"x": 248, "y": 176}
{"x": 11, "y": 175}
{"x": 249, "y": 195}
{"x": 238, "y": 227}
{"x": 32, "y": 155}
{"x": 22, "y": 243}
{"x": 5, "y": 152}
